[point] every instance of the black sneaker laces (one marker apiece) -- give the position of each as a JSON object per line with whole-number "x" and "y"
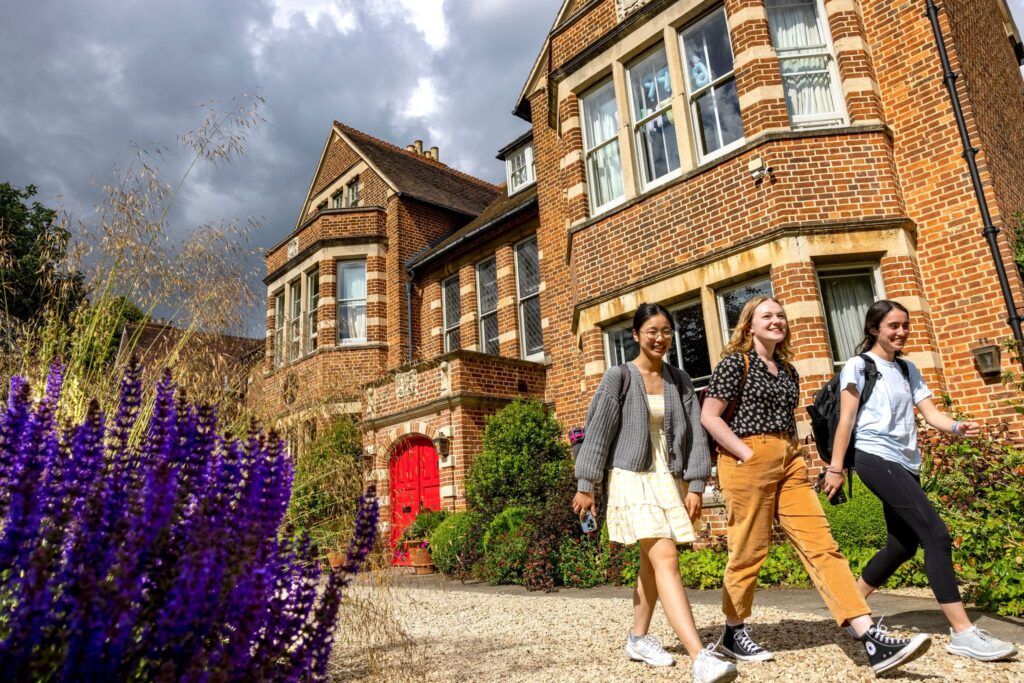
{"x": 881, "y": 634}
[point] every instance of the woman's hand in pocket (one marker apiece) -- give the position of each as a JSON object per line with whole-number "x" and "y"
{"x": 694, "y": 502}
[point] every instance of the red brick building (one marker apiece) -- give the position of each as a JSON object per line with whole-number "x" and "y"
{"x": 689, "y": 152}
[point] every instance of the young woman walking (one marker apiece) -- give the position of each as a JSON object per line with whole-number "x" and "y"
{"x": 889, "y": 463}
{"x": 650, "y": 438}
{"x": 764, "y": 479}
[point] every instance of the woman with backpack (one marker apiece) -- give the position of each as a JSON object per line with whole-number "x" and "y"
{"x": 644, "y": 425}
{"x": 764, "y": 479}
{"x": 888, "y": 461}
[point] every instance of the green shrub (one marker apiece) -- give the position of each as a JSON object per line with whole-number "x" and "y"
{"x": 859, "y": 522}
{"x": 554, "y": 523}
{"x": 702, "y": 568}
{"x": 783, "y": 567}
{"x": 518, "y": 441}
{"x": 582, "y": 562}
{"x": 506, "y": 555}
{"x": 424, "y": 525}
{"x": 622, "y": 562}
{"x": 507, "y": 520}
{"x": 456, "y": 544}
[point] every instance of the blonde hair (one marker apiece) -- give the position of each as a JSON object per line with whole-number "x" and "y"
{"x": 742, "y": 339}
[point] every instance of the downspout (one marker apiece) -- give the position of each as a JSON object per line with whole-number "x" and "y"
{"x": 408, "y": 313}
{"x": 970, "y": 152}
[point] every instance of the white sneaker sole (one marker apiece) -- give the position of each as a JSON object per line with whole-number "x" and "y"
{"x": 917, "y": 646}
{"x": 637, "y": 657}
{"x": 763, "y": 657}
{"x": 724, "y": 677}
{"x": 981, "y": 656}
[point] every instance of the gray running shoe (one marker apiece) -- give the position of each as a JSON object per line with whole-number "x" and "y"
{"x": 711, "y": 667}
{"x": 648, "y": 649}
{"x": 979, "y": 644}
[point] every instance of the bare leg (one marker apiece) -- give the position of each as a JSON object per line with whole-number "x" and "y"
{"x": 865, "y": 588}
{"x": 957, "y": 616}
{"x": 665, "y": 561}
{"x": 645, "y": 595}
{"x": 861, "y": 624}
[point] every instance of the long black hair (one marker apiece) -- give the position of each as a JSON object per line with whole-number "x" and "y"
{"x": 876, "y": 313}
{"x": 647, "y": 311}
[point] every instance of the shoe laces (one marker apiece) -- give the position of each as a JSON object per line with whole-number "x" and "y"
{"x": 985, "y": 635}
{"x": 881, "y": 633}
{"x": 711, "y": 651}
{"x": 744, "y": 639}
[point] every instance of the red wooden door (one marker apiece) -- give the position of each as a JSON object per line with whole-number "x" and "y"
{"x": 415, "y": 485}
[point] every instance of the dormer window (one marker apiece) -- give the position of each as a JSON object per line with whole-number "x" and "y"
{"x": 338, "y": 199}
{"x": 519, "y": 168}
{"x": 352, "y": 192}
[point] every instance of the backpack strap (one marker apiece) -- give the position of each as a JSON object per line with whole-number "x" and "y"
{"x": 871, "y": 375}
{"x": 904, "y": 368}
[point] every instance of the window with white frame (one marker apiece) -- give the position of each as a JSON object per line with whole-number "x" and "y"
{"x": 528, "y": 293}
{"x": 312, "y": 304}
{"x": 846, "y": 295}
{"x": 601, "y": 142}
{"x": 351, "y": 301}
{"x": 690, "y": 350}
{"x": 338, "y": 199}
{"x": 714, "y": 102}
{"x": 732, "y": 300}
{"x": 650, "y": 94}
{"x": 520, "y": 169}
{"x": 279, "y": 327}
{"x": 352, "y": 192}
{"x": 487, "y": 305}
{"x": 295, "y": 320}
{"x": 620, "y": 346}
{"x": 801, "y": 38}
{"x": 451, "y": 303}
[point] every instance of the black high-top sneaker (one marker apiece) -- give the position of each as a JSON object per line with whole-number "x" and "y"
{"x": 887, "y": 652}
{"x": 737, "y": 643}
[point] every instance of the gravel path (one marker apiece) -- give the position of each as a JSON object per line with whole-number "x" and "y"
{"x": 470, "y": 636}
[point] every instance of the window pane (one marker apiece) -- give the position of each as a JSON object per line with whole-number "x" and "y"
{"x": 528, "y": 268}
{"x": 453, "y": 340}
{"x": 692, "y": 344}
{"x": 734, "y": 299}
{"x": 517, "y": 169}
{"x": 600, "y": 114}
{"x": 708, "y": 52}
{"x": 622, "y": 346}
{"x": 808, "y": 86}
{"x": 729, "y": 112}
{"x": 604, "y": 169}
{"x": 657, "y": 141}
{"x": 489, "y": 328}
{"x": 650, "y": 84}
{"x": 846, "y": 298}
{"x": 452, "y": 303}
{"x": 794, "y": 24}
{"x": 351, "y": 321}
{"x": 487, "y": 282}
{"x": 352, "y": 283}
{"x": 533, "y": 338}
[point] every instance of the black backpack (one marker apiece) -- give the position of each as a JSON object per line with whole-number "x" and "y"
{"x": 824, "y": 411}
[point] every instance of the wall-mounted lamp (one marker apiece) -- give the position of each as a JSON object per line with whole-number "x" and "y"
{"x": 986, "y": 357}
{"x": 442, "y": 442}
{"x": 758, "y": 170}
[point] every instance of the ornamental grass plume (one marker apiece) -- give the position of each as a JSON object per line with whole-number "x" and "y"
{"x": 156, "y": 558}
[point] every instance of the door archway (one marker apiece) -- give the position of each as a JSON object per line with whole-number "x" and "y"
{"x": 415, "y": 485}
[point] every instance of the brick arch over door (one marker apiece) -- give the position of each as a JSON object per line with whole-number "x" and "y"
{"x": 414, "y": 483}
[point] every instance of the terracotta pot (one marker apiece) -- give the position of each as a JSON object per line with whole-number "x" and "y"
{"x": 419, "y": 557}
{"x": 335, "y": 559}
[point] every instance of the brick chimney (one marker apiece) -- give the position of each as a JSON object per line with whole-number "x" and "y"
{"x": 435, "y": 153}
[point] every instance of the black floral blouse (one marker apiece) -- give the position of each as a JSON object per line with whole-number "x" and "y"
{"x": 767, "y": 403}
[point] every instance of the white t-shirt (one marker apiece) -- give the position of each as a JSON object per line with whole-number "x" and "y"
{"x": 885, "y": 425}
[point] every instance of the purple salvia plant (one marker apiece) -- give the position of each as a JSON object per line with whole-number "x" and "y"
{"x": 156, "y": 561}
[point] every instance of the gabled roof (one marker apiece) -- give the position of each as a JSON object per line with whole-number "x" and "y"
{"x": 419, "y": 177}
{"x": 501, "y": 210}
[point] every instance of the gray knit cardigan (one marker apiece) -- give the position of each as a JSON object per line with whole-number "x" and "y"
{"x": 619, "y": 436}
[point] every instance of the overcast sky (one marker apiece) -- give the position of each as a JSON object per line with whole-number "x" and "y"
{"x": 83, "y": 82}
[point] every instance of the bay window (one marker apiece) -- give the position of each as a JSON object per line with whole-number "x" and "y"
{"x": 714, "y": 102}
{"x": 487, "y": 305}
{"x": 451, "y": 303}
{"x": 846, "y": 294}
{"x": 295, "y": 320}
{"x": 810, "y": 79}
{"x": 601, "y": 143}
{"x": 732, "y": 300}
{"x": 351, "y": 301}
{"x": 654, "y": 128}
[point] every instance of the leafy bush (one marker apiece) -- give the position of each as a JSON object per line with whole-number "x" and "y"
{"x": 156, "y": 559}
{"x": 623, "y": 564}
{"x": 582, "y": 562}
{"x": 859, "y": 522}
{"x": 703, "y": 568}
{"x": 553, "y": 524}
{"x": 507, "y": 520}
{"x": 456, "y": 545}
{"x": 506, "y": 555}
{"x": 978, "y": 487}
{"x": 518, "y": 441}
{"x": 328, "y": 479}
{"x": 783, "y": 567}
{"x": 424, "y": 525}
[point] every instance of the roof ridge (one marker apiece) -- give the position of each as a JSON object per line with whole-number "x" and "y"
{"x": 419, "y": 157}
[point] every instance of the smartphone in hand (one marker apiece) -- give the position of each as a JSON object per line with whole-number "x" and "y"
{"x": 838, "y": 498}
{"x": 588, "y": 523}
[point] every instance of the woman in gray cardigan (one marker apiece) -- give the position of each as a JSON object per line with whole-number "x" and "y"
{"x": 648, "y": 434}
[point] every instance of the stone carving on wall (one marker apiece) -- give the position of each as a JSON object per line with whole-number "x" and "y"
{"x": 626, "y": 7}
{"x": 369, "y": 399}
{"x": 446, "y": 378}
{"x": 405, "y": 384}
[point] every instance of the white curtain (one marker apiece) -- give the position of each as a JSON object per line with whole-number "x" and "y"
{"x": 803, "y": 56}
{"x": 604, "y": 165}
{"x": 846, "y": 303}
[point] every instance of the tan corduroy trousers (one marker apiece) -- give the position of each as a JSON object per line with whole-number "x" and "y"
{"x": 772, "y": 486}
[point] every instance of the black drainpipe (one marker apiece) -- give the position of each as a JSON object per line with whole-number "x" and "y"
{"x": 970, "y": 152}
{"x": 408, "y": 312}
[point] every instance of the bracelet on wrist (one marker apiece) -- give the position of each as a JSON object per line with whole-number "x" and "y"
{"x": 840, "y": 472}
{"x": 955, "y": 429}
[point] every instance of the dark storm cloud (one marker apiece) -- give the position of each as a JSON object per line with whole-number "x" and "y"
{"x": 84, "y": 82}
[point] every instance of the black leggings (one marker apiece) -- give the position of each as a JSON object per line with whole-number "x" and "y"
{"x": 911, "y": 521}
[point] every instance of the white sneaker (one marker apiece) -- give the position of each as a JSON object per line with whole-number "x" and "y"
{"x": 648, "y": 649}
{"x": 711, "y": 667}
{"x": 979, "y": 644}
